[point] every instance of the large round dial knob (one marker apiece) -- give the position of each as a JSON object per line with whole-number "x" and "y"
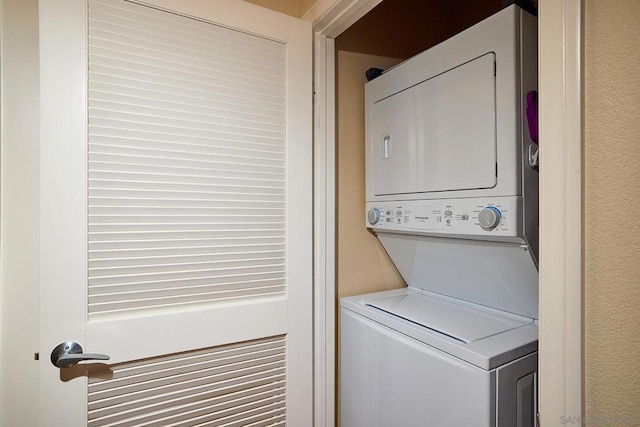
{"x": 489, "y": 218}
{"x": 373, "y": 216}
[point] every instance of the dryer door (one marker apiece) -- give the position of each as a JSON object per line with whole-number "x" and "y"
{"x": 439, "y": 135}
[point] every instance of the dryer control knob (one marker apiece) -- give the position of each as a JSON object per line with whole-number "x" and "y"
{"x": 373, "y": 216}
{"x": 489, "y": 218}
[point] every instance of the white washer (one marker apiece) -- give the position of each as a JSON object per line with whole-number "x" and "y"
{"x": 417, "y": 357}
{"x": 413, "y": 358}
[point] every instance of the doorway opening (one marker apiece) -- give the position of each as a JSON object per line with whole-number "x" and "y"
{"x": 390, "y": 32}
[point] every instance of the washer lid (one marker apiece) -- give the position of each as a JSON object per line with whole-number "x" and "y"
{"x": 494, "y": 274}
{"x": 459, "y": 320}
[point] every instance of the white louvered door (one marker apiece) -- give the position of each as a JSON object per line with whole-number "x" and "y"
{"x": 176, "y": 213}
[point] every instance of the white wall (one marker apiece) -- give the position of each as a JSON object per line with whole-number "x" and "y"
{"x": 19, "y": 221}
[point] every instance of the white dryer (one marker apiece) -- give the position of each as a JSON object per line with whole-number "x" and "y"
{"x": 451, "y": 197}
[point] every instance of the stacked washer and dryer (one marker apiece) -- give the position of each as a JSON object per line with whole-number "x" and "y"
{"x": 453, "y": 200}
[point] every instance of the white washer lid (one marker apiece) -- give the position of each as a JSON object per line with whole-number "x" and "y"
{"x": 493, "y": 274}
{"x": 459, "y": 320}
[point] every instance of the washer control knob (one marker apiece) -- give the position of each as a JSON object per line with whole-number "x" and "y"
{"x": 489, "y": 218}
{"x": 373, "y": 216}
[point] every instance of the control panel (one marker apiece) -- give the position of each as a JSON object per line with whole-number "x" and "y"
{"x": 472, "y": 217}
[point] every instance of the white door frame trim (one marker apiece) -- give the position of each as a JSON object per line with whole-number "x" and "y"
{"x": 329, "y": 18}
{"x": 561, "y": 199}
{"x": 561, "y": 295}
{"x": 324, "y": 318}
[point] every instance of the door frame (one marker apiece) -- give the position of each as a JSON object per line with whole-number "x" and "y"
{"x": 561, "y": 240}
{"x": 561, "y": 357}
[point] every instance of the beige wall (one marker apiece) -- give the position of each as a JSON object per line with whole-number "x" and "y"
{"x": 289, "y": 7}
{"x": 305, "y": 5}
{"x": 295, "y": 8}
{"x": 612, "y": 203}
{"x": 362, "y": 265}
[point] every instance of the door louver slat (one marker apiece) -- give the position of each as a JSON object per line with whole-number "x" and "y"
{"x": 186, "y": 164}
{"x": 230, "y": 385}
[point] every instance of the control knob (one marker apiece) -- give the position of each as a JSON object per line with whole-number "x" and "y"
{"x": 489, "y": 218}
{"x": 373, "y": 216}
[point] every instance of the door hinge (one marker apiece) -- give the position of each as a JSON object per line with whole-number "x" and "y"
{"x": 36, "y": 356}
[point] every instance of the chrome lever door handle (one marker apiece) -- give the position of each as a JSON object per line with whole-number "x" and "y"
{"x": 69, "y": 353}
